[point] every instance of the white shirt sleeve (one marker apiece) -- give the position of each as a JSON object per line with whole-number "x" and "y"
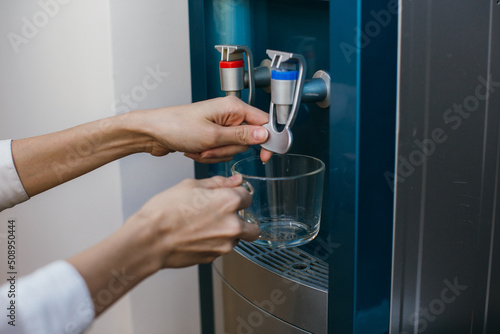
{"x": 11, "y": 189}
{"x": 52, "y": 300}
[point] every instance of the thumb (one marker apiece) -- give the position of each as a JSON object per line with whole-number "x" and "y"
{"x": 243, "y": 135}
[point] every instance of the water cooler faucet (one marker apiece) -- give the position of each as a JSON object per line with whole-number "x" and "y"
{"x": 288, "y": 90}
{"x": 232, "y": 70}
{"x": 287, "y": 83}
{"x": 234, "y": 78}
{"x": 284, "y": 77}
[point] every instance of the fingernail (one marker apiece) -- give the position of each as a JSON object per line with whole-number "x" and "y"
{"x": 236, "y": 178}
{"x": 206, "y": 155}
{"x": 260, "y": 134}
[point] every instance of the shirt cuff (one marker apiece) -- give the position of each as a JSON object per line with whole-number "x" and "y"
{"x": 11, "y": 189}
{"x": 54, "y": 299}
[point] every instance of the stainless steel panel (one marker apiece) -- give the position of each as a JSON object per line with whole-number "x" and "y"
{"x": 444, "y": 277}
{"x": 491, "y": 302}
{"x": 236, "y": 315}
{"x": 288, "y": 283}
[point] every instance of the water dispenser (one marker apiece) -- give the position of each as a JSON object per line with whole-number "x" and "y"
{"x": 283, "y": 57}
{"x": 407, "y": 234}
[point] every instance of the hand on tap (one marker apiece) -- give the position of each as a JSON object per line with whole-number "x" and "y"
{"x": 208, "y": 132}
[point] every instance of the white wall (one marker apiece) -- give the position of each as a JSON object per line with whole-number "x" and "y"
{"x": 69, "y": 71}
{"x": 153, "y": 35}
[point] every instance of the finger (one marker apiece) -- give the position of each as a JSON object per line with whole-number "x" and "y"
{"x": 221, "y": 182}
{"x": 196, "y": 157}
{"x": 245, "y": 197}
{"x": 230, "y": 200}
{"x": 249, "y": 231}
{"x": 265, "y": 155}
{"x": 241, "y": 135}
{"x": 224, "y": 151}
{"x": 253, "y": 115}
{"x": 250, "y": 114}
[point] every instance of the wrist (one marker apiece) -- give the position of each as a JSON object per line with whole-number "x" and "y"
{"x": 138, "y": 247}
{"x": 141, "y": 124}
{"x": 127, "y": 134}
{"x": 140, "y": 239}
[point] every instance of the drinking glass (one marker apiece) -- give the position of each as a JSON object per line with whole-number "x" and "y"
{"x": 287, "y": 195}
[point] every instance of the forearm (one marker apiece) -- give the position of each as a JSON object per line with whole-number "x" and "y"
{"x": 208, "y": 131}
{"x": 114, "y": 266}
{"x": 46, "y": 161}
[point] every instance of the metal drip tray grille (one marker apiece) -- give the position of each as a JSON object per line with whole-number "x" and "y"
{"x": 292, "y": 263}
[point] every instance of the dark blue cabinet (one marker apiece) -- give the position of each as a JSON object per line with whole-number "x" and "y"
{"x": 356, "y": 42}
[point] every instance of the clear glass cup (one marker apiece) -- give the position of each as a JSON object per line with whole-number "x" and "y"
{"x": 287, "y": 194}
